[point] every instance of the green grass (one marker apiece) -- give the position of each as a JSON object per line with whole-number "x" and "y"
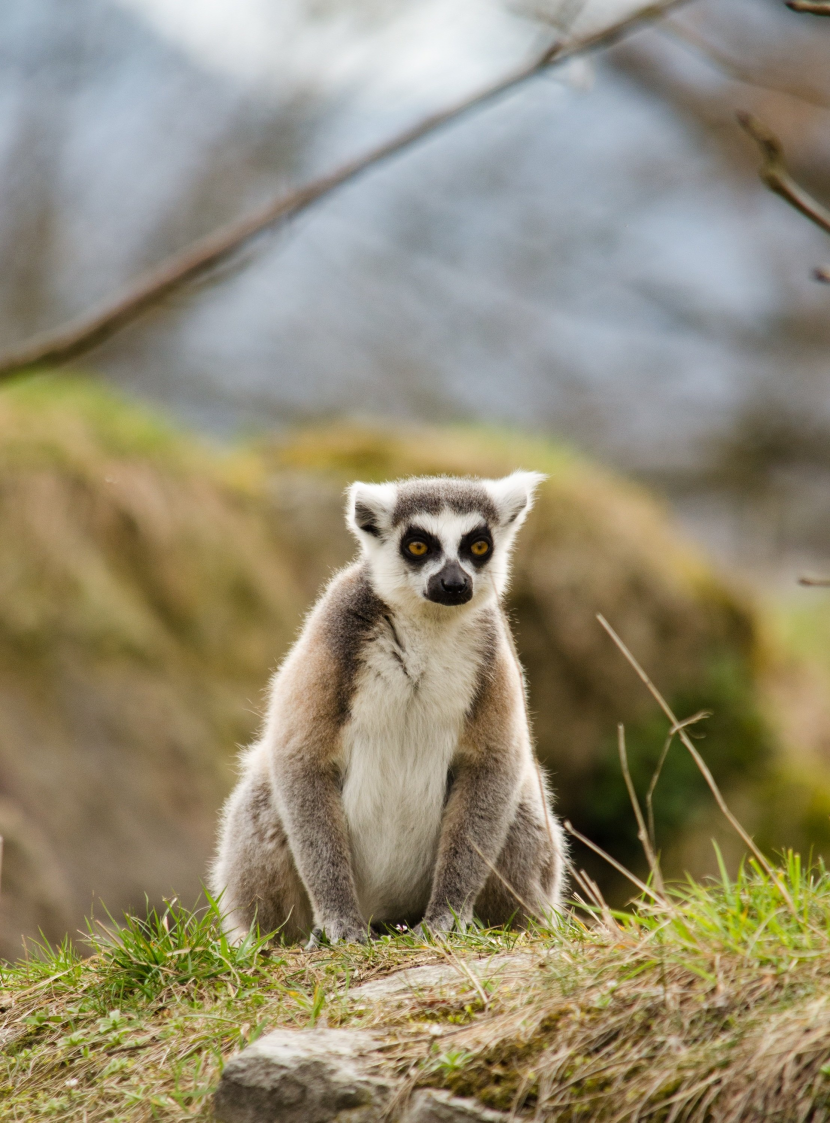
{"x": 713, "y": 1003}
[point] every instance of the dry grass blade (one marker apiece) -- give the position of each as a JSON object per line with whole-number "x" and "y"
{"x": 701, "y": 764}
{"x": 641, "y": 885}
{"x": 642, "y": 833}
{"x": 699, "y": 716}
{"x": 594, "y": 895}
{"x": 460, "y": 966}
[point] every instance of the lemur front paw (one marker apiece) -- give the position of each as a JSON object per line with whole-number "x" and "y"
{"x": 338, "y": 931}
{"x": 436, "y": 924}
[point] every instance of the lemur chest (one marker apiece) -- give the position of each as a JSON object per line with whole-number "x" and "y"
{"x": 407, "y": 716}
{"x": 416, "y": 686}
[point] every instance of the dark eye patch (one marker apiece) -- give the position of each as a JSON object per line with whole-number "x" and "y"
{"x": 479, "y": 534}
{"x": 412, "y": 538}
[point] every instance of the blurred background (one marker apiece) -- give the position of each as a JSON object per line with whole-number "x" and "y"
{"x": 586, "y": 278}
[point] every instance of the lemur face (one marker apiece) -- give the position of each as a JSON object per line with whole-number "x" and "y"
{"x": 440, "y": 541}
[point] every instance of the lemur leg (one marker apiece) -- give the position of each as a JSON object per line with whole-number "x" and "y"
{"x": 312, "y": 809}
{"x": 255, "y": 870}
{"x": 531, "y": 864}
{"x": 477, "y": 818}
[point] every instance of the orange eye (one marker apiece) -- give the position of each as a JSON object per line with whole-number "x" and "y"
{"x": 480, "y": 548}
{"x": 417, "y": 548}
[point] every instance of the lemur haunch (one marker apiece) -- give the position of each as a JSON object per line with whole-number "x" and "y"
{"x": 396, "y": 769}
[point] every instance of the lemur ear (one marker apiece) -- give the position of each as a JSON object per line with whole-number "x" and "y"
{"x": 369, "y": 509}
{"x": 514, "y": 495}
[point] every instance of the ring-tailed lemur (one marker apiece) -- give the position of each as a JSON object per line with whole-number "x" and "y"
{"x": 395, "y": 780}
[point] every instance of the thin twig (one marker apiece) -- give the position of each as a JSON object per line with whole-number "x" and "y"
{"x": 818, "y": 582}
{"x": 775, "y": 175}
{"x": 700, "y": 762}
{"x": 737, "y": 72}
{"x": 641, "y": 885}
{"x": 61, "y": 345}
{"x": 642, "y": 833}
{"x": 814, "y": 7}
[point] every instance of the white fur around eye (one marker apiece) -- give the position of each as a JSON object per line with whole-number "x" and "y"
{"x": 370, "y": 511}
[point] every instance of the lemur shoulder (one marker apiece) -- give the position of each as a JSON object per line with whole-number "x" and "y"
{"x": 395, "y": 779}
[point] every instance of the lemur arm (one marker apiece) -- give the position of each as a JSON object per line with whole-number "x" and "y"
{"x": 304, "y": 734}
{"x": 310, "y": 805}
{"x": 485, "y": 791}
{"x": 476, "y": 822}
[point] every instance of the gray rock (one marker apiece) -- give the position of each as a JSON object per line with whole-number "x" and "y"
{"x": 408, "y": 981}
{"x": 335, "y": 1075}
{"x": 303, "y": 1076}
{"x": 413, "y": 979}
{"x": 434, "y": 1106}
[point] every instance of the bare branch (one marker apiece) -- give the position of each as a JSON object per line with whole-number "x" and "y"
{"x": 81, "y": 335}
{"x": 737, "y": 72}
{"x": 701, "y": 764}
{"x": 814, "y": 7}
{"x": 775, "y": 175}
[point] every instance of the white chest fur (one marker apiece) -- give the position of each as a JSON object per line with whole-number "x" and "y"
{"x": 407, "y": 715}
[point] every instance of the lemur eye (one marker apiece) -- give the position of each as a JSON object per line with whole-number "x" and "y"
{"x": 417, "y": 548}
{"x": 480, "y": 547}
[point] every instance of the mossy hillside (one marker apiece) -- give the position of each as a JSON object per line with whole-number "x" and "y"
{"x": 143, "y": 600}
{"x": 710, "y": 1003}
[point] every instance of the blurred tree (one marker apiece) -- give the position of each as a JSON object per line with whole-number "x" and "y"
{"x": 588, "y": 265}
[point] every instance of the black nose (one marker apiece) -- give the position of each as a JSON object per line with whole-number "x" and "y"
{"x": 451, "y": 585}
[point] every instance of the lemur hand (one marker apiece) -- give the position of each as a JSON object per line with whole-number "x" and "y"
{"x": 338, "y": 931}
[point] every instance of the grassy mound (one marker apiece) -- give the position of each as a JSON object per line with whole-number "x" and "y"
{"x": 709, "y": 1004}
